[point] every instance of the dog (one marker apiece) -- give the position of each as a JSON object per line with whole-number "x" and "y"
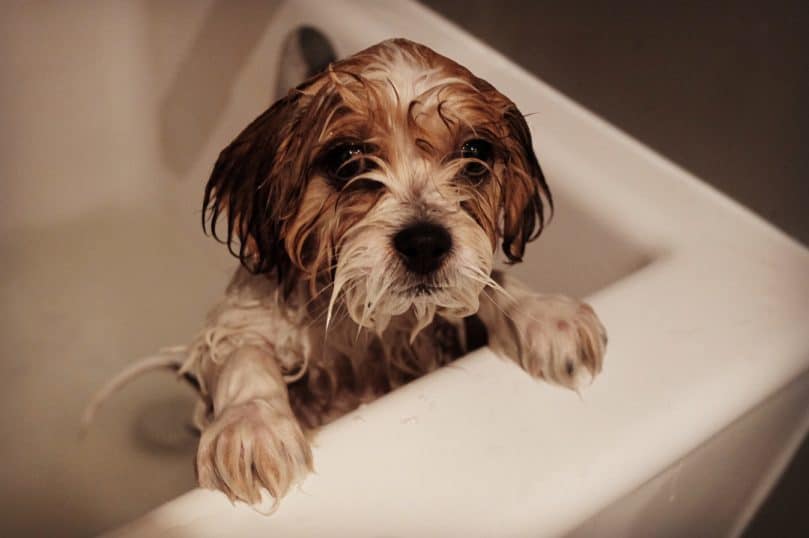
{"x": 366, "y": 208}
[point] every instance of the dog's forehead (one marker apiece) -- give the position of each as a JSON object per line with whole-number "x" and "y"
{"x": 400, "y": 87}
{"x": 418, "y": 80}
{"x": 414, "y": 71}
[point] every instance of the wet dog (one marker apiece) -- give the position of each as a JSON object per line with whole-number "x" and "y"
{"x": 366, "y": 208}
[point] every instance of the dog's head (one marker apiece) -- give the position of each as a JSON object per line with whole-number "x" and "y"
{"x": 391, "y": 177}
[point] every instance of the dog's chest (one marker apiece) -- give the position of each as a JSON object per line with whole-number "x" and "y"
{"x": 353, "y": 368}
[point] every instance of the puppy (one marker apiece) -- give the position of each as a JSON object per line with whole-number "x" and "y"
{"x": 366, "y": 208}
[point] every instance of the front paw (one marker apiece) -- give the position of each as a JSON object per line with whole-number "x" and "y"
{"x": 253, "y": 446}
{"x": 559, "y": 339}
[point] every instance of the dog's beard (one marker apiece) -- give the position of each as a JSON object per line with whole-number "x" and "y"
{"x": 373, "y": 286}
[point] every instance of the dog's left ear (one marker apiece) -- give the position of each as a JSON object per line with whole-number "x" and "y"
{"x": 524, "y": 188}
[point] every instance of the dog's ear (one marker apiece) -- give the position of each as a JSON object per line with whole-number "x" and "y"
{"x": 524, "y": 188}
{"x": 257, "y": 182}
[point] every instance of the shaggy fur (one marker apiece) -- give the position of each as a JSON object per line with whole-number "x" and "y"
{"x": 325, "y": 312}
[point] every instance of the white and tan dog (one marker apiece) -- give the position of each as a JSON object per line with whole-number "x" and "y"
{"x": 366, "y": 208}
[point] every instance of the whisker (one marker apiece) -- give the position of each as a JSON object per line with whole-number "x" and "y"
{"x": 497, "y": 305}
{"x": 317, "y": 295}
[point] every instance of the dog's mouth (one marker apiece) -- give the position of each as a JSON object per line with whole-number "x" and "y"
{"x": 420, "y": 289}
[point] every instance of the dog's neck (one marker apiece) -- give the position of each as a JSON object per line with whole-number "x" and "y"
{"x": 342, "y": 365}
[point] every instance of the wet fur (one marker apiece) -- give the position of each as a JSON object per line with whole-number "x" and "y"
{"x": 322, "y": 315}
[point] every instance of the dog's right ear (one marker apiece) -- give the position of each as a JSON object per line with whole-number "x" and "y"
{"x": 525, "y": 191}
{"x": 257, "y": 182}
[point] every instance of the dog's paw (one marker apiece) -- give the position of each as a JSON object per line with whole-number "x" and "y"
{"x": 252, "y": 446}
{"x": 560, "y": 339}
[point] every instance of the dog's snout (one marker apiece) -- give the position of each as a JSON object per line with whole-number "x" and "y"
{"x": 423, "y": 246}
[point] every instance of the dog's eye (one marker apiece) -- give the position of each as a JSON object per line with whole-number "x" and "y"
{"x": 346, "y": 161}
{"x": 481, "y": 151}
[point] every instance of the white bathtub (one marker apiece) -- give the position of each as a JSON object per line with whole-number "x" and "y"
{"x": 114, "y": 113}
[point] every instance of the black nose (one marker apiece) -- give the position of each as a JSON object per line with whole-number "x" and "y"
{"x": 423, "y": 246}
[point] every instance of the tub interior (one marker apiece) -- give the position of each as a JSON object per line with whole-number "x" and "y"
{"x": 109, "y": 141}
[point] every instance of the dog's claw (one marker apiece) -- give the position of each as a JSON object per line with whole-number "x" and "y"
{"x": 251, "y": 447}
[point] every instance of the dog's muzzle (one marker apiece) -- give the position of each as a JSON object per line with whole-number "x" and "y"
{"x": 423, "y": 246}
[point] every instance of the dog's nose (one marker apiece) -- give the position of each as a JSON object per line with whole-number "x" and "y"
{"x": 423, "y": 246}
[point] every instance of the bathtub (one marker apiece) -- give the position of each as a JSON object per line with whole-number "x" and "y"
{"x": 114, "y": 115}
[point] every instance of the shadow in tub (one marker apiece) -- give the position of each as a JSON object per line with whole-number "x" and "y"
{"x": 578, "y": 253}
{"x": 199, "y": 92}
{"x": 164, "y": 426}
{"x": 80, "y": 300}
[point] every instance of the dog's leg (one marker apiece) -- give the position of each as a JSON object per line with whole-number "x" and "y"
{"x": 552, "y": 337}
{"x": 254, "y": 440}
